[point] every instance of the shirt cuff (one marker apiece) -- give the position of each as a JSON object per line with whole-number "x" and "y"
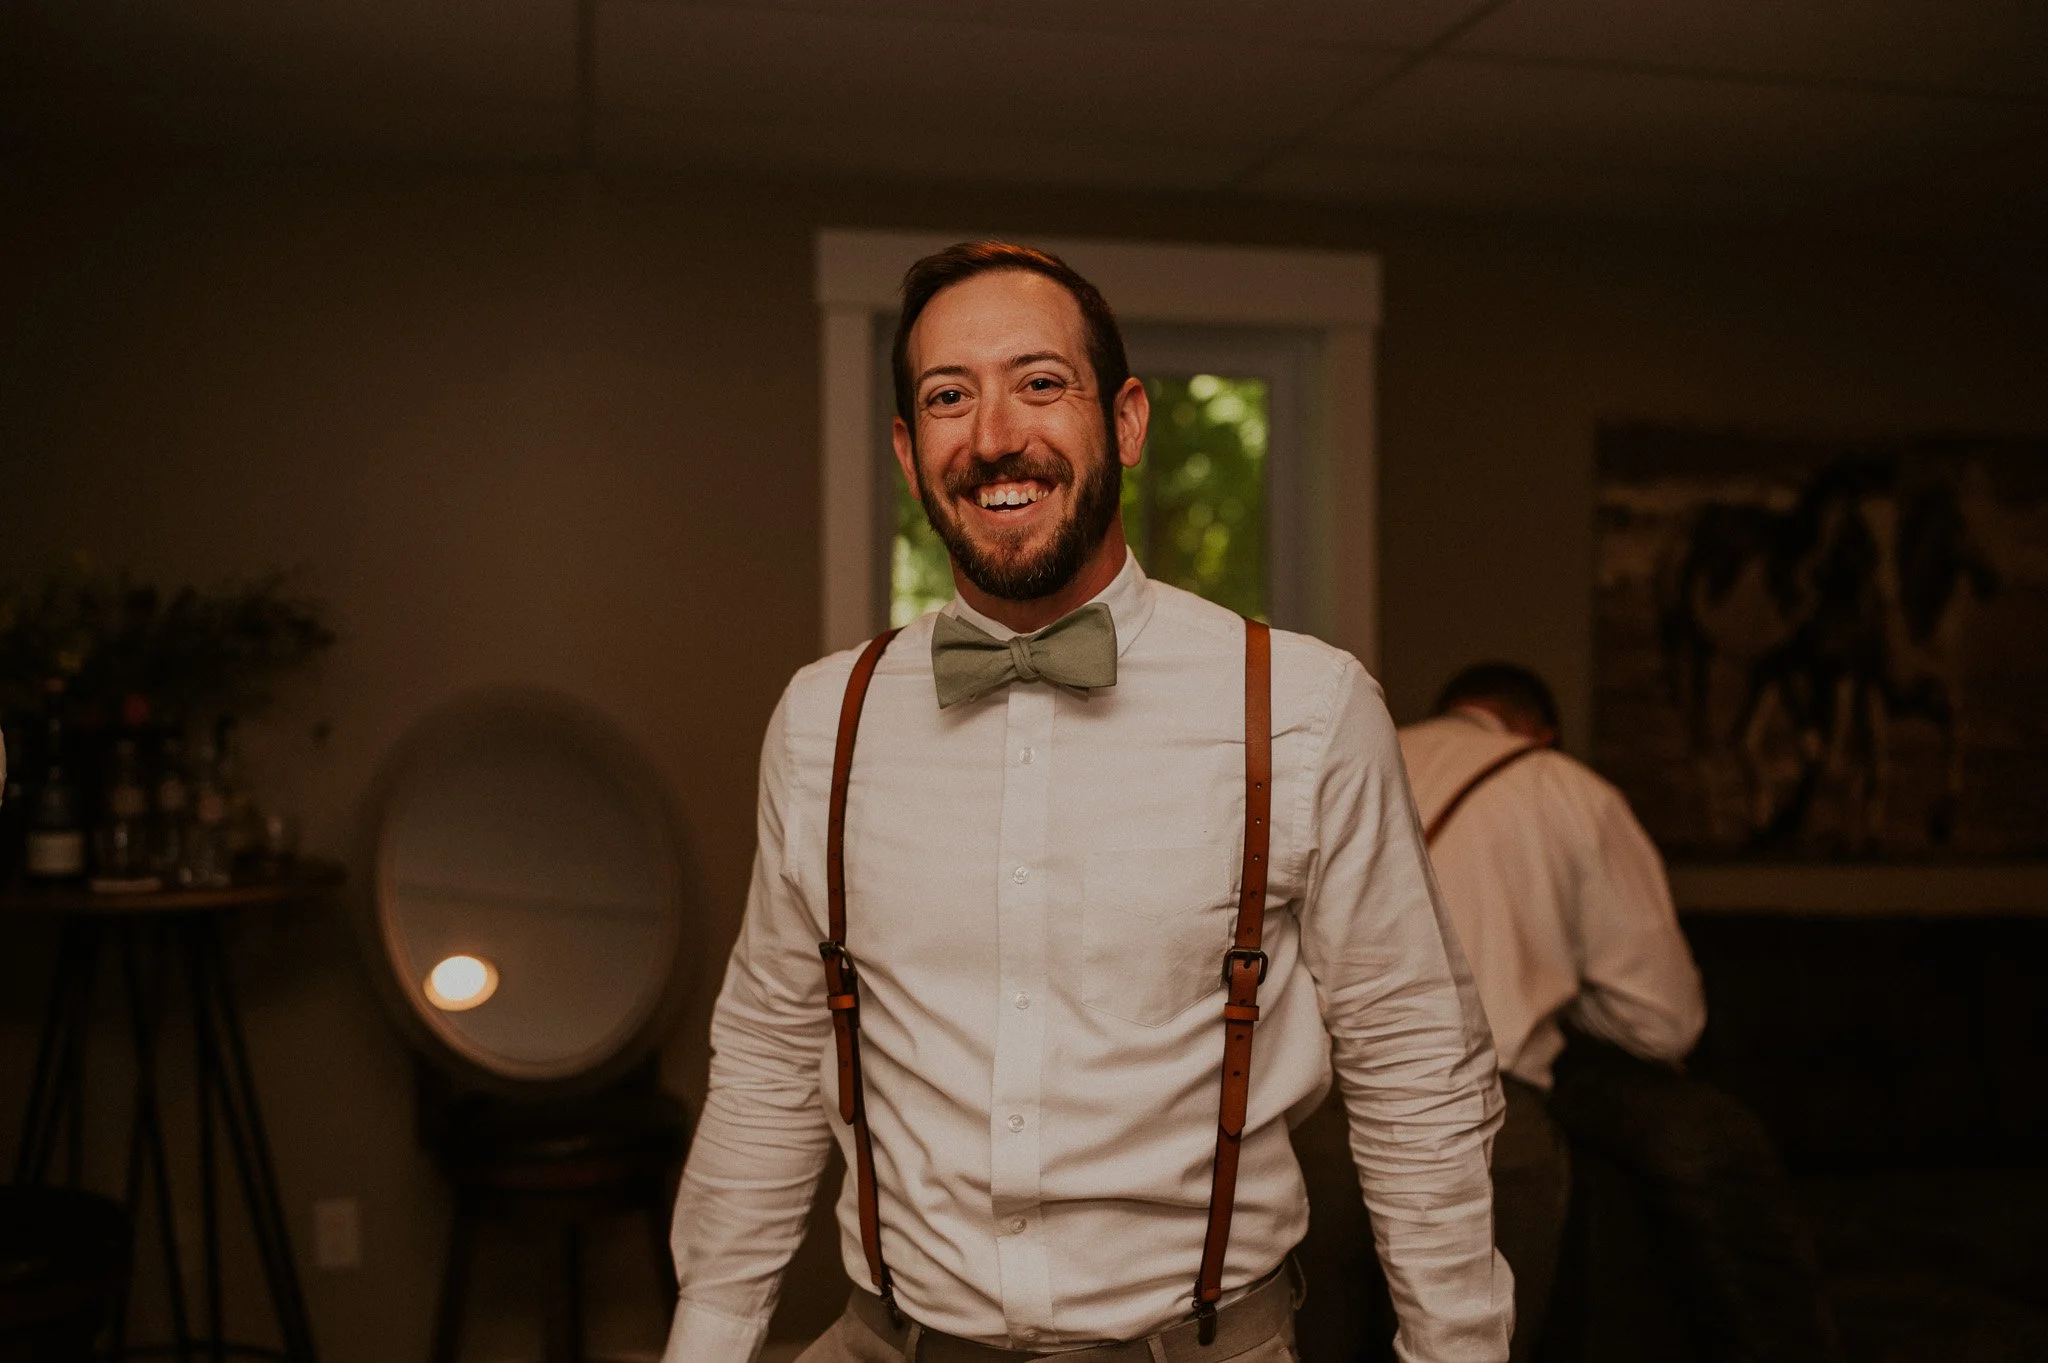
{"x": 700, "y": 1335}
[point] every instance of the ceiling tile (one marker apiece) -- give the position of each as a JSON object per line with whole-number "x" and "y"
{"x": 1702, "y": 152}
{"x": 877, "y": 149}
{"x": 2007, "y": 210}
{"x": 1313, "y": 23}
{"x": 1978, "y": 45}
{"x": 459, "y": 78}
{"x": 1422, "y": 180}
{"x": 957, "y": 97}
{"x": 1512, "y": 115}
{"x": 1794, "y": 106}
{"x": 2000, "y": 192}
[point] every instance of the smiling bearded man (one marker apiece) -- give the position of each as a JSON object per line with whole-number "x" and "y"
{"x": 1029, "y": 382}
{"x": 1001, "y": 563}
{"x": 1099, "y": 833}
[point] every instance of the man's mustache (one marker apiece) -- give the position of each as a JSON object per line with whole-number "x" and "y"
{"x": 1010, "y": 468}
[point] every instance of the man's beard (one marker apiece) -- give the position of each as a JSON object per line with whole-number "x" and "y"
{"x": 1009, "y": 576}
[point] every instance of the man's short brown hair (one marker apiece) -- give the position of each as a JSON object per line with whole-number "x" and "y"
{"x": 924, "y": 280}
{"x": 1506, "y": 684}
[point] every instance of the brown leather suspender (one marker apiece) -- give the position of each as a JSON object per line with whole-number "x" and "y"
{"x": 842, "y": 982}
{"x": 1244, "y": 969}
{"x": 1477, "y": 779}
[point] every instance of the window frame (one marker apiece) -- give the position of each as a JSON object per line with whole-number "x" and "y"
{"x": 1333, "y": 296}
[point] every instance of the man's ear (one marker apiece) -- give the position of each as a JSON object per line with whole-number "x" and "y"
{"x": 1132, "y": 413}
{"x": 906, "y": 452}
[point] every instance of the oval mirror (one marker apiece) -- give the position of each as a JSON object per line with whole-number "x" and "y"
{"x": 528, "y": 888}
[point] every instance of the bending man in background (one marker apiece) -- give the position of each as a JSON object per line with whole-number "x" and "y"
{"x": 1560, "y": 901}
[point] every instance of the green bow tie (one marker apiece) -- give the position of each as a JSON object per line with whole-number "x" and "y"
{"x": 1076, "y": 650}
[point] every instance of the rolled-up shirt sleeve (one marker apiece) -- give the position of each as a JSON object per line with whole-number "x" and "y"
{"x": 1413, "y": 1056}
{"x": 1639, "y": 986}
{"x": 764, "y": 1136}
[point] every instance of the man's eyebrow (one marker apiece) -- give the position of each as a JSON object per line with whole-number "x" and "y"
{"x": 1039, "y": 357}
{"x": 1016, "y": 362}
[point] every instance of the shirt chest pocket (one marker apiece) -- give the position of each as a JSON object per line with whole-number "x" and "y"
{"x": 1155, "y": 922}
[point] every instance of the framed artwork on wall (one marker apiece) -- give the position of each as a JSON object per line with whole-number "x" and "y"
{"x": 1821, "y": 649}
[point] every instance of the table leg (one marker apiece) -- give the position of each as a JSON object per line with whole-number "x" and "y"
{"x": 53, "y": 1095}
{"x": 145, "y": 1009}
{"x": 217, "y": 1018}
{"x": 454, "y": 1283}
{"x": 226, "y": 1092}
{"x": 203, "y": 1068}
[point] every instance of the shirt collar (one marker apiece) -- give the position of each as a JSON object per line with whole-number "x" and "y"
{"x": 1485, "y": 719}
{"x": 1128, "y": 596}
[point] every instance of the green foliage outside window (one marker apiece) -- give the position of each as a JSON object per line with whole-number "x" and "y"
{"x": 1196, "y": 512}
{"x": 920, "y": 575}
{"x": 1194, "y": 508}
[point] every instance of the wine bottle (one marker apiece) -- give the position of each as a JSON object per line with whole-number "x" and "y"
{"x": 54, "y": 849}
{"x": 173, "y": 806}
{"x": 241, "y": 826}
{"x": 121, "y": 842}
{"x": 13, "y": 803}
{"x": 208, "y": 864}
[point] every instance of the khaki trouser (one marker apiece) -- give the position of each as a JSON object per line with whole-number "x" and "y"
{"x": 849, "y": 1341}
{"x": 852, "y": 1340}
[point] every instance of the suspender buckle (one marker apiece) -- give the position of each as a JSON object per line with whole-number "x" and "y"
{"x": 1205, "y": 1322}
{"x": 1236, "y": 954}
{"x": 835, "y": 953}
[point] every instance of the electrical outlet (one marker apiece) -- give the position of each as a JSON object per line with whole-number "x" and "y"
{"x": 337, "y": 1233}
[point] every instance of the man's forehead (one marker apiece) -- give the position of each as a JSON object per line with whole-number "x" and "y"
{"x": 998, "y": 316}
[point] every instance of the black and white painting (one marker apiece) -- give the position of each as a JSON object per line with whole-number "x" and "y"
{"x": 1822, "y": 649}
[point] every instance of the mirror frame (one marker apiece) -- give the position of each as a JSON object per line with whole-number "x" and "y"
{"x": 439, "y": 732}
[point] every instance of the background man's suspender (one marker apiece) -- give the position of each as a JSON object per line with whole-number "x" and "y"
{"x": 1244, "y": 969}
{"x": 1474, "y": 782}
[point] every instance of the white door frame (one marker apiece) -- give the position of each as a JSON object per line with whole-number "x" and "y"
{"x": 1333, "y": 294}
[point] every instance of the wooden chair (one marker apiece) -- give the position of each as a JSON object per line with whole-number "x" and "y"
{"x": 555, "y": 1165}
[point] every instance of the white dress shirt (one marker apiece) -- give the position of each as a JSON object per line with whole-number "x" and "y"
{"x": 1041, "y": 885}
{"x": 1558, "y": 896}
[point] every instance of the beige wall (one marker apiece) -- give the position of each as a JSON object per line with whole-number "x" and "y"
{"x": 526, "y": 430}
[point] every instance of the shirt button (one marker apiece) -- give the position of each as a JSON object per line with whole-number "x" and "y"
{"x": 1016, "y": 1122}
{"x": 1023, "y": 1000}
{"x": 1027, "y": 757}
{"x": 1016, "y": 1225}
{"x": 1021, "y": 874}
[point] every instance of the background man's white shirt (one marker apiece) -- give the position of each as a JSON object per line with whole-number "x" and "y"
{"x": 1041, "y": 886}
{"x": 1559, "y": 899}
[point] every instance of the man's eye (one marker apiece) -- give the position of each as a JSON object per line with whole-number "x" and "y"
{"x": 946, "y": 397}
{"x": 1041, "y": 384}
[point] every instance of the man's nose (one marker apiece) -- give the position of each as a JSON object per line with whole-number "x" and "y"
{"x": 997, "y": 431}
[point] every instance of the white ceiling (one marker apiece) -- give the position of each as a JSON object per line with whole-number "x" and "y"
{"x": 1925, "y": 115}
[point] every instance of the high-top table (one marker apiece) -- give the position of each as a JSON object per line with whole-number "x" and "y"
{"x": 152, "y": 937}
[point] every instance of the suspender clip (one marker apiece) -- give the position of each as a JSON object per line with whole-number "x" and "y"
{"x": 1205, "y": 1322}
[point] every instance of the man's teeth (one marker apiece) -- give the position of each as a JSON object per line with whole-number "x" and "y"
{"x": 1010, "y": 494}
